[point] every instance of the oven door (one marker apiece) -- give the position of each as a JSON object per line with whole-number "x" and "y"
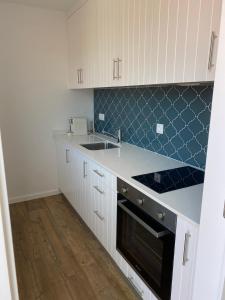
{"x": 147, "y": 246}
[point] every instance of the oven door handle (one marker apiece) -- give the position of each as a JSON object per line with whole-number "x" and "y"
{"x": 142, "y": 223}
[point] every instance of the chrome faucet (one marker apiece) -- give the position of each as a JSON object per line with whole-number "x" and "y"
{"x": 118, "y": 137}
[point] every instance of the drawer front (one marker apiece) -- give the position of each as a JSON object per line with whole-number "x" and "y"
{"x": 134, "y": 280}
{"x": 100, "y": 198}
{"x": 139, "y": 286}
{"x": 102, "y": 177}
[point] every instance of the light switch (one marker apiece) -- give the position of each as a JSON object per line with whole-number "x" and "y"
{"x": 101, "y": 117}
{"x": 160, "y": 128}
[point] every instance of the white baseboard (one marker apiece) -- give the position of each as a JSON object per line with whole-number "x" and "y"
{"x": 33, "y": 196}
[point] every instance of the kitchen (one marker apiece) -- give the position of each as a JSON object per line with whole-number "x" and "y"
{"x": 110, "y": 116}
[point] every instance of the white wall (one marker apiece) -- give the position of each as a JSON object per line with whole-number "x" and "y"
{"x": 33, "y": 96}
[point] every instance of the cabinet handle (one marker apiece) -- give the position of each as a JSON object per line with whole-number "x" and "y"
{"x": 81, "y": 76}
{"x": 114, "y": 69}
{"x": 98, "y": 215}
{"x": 98, "y": 190}
{"x": 84, "y": 169}
{"x": 211, "y": 50}
{"x": 78, "y": 76}
{"x": 67, "y": 156}
{"x": 118, "y": 68}
{"x": 186, "y": 246}
{"x": 98, "y": 173}
{"x": 131, "y": 280}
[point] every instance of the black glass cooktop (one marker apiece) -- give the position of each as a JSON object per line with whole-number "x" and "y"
{"x": 170, "y": 180}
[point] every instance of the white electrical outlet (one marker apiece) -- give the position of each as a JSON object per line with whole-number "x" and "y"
{"x": 101, "y": 117}
{"x": 160, "y": 128}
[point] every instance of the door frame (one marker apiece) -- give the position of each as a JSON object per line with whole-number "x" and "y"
{"x": 210, "y": 262}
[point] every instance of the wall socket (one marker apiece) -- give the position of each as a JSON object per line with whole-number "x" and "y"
{"x": 160, "y": 128}
{"x": 101, "y": 117}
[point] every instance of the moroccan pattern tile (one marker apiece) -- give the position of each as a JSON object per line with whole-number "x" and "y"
{"x": 184, "y": 111}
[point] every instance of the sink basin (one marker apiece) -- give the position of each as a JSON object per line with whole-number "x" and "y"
{"x": 100, "y": 146}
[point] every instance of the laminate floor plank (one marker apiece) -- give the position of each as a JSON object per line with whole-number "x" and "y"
{"x": 59, "y": 258}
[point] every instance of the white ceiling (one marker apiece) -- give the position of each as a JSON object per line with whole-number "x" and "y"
{"x": 64, "y": 5}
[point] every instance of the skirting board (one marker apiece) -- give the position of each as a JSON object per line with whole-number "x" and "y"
{"x": 33, "y": 196}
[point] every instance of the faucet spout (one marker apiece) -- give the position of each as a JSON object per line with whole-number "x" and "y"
{"x": 117, "y": 137}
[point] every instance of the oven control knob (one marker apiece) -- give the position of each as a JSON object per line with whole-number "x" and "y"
{"x": 140, "y": 202}
{"x": 161, "y": 215}
{"x": 124, "y": 190}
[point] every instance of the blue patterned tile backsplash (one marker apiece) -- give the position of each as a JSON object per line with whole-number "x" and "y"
{"x": 184, "y": 111}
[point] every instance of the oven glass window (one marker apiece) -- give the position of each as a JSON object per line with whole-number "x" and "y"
{"x": 149, "y": 255}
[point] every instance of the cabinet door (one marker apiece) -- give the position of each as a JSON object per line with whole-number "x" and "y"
{"x": 109, "y": 35}
{"x": 61, "y": 168}
{"x": 69, "y": 185}
{"x": 215, "y": 30}
{"x": 65, "y": 159}
{"x": 184, "y": 260}
{"x": 81, "y": 183}
{"x": 90, "y": 46}
{"x": 77, "y": 171}
{"x": 74, "y": 31}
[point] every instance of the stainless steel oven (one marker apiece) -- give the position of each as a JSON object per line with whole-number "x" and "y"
{"x": 146, "y": 238}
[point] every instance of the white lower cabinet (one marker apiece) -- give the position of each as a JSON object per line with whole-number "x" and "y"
{"x": 65, "y": 178}
{"x": 135, "y": 281}
{"x": 103, "y": 202}
{"x": 184, "y": 260}
{"x": 81, "y": 183}
{"x": 92, "y": 191}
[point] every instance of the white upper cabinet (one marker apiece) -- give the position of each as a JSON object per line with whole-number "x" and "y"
{"x": 75, "y": 36}
{"x": 83, "y": 51}
{"x": 143, "y": 42}
{"x": 109, "y": 36}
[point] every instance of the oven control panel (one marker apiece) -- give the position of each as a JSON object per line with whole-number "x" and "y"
{"x": 148, "y": 205}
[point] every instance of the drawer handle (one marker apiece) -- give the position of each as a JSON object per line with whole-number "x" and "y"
{"x": 84, "y": 169}
{"x": 98, "y": 190}
{"x": 131, "y": 280}
{"x": 98, "y": 215}
{"x": 67, "y": 156}
{"x": 186, "y": 247}
{"x": 98, "y": 173}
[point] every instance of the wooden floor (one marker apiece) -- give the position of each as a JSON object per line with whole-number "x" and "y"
{"x": 58, "y": 258}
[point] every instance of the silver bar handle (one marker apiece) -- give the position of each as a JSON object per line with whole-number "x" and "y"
{"x": 84, "y": 169}
{"x": 142, "y": 223}
{"x": 186, "y": 247}
{"x": 118, "y": 68}
{"x": 98, "y": 190}
{"x": 81, "y": 76}
{"x": 78, "y": 76}
{"x": 211, "y": 50}
{"x": 131, "y": 280}
{"x": 98, "y": 215}
{"x": 98, "y": 173}
{"x": 114, "y": 69}
{"x": 67, "y": 156}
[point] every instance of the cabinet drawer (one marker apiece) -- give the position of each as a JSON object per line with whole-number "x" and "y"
{"x": 99, "y": 201}
{"x": 101, "y": 177}
{"x": 135, "y": 281}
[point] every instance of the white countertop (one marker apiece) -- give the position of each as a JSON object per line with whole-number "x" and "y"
{"x": 130, "y": 160}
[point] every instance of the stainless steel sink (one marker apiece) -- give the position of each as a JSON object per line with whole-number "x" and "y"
{"x": 100, "y": 146}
